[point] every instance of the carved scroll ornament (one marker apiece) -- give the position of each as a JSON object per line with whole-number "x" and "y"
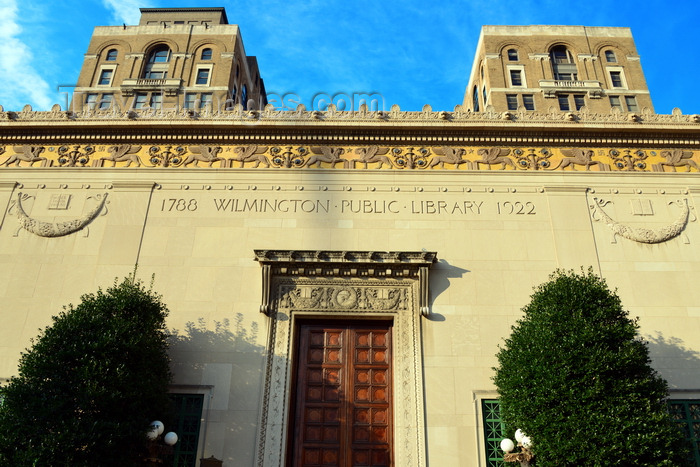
{"x": 57, "y": 229}
{"x": 642, "y": 235}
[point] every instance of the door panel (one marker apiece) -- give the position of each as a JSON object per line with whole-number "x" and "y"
{"x": 342, "y": 413}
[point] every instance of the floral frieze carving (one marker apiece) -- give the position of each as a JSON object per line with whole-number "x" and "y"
{"x": 358, "y": 157}
{"x": 346, "y": 297}
{"x": 57, "y": 229}
{"x": 640, "y": 234}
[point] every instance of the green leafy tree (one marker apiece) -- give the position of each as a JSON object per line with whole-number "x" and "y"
{"x": 576, "y": 378}
{"x": 91, "y": 384}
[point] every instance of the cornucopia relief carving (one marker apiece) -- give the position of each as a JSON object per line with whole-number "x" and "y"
{"x": 57, "y": 229}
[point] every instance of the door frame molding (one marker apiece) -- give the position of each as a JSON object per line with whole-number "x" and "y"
{"x": 344, "y": 285}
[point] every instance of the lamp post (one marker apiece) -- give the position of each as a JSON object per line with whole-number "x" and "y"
{"x": 524, "y": 456}
{"x": 160, "y": 445}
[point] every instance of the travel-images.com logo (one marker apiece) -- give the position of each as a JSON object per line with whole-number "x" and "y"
{"x": 151, "y": 104}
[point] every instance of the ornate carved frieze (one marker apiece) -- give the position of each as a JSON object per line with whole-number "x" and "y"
{"x": 124, "y": 153}
{"x": 346, "y": 264}
{"x": 74, "y": 156}
{"x": 344, "y": 297}
{"x": 28, "y": 154}
{"x": 349, "y": 157}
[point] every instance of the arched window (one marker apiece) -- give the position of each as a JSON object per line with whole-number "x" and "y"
{"x": 512, "y": 55}
{"x": 111, "y": 55}
{"x": 157, "y": 64}
{"x": 475, "y": 97}
{"x": 244, "y": 97}
{"x": 610, "y": 56}
{"x": 206, "y": 54}
{"x": 563, "y": 65}
{"x": 160, "y": 54}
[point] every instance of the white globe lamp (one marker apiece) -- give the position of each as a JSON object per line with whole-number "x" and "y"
{"x": 170, "y": 438}
{"x": 507, "y": 445}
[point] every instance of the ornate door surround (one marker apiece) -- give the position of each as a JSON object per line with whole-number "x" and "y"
{"x": 328, "y": 285}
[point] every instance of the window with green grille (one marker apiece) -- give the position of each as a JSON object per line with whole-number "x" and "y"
{"x": 188, "y": 414}
{"x": 494, "y": 432}
{"x": 687, "y": 414}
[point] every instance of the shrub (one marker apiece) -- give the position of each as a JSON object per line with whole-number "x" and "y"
{"x": 576, "y": 378}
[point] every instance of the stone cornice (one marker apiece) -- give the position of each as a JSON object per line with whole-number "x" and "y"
{"x": 363, "y": 127}
{"x": 334, "y": 258}
{"x": 362, "y": 117}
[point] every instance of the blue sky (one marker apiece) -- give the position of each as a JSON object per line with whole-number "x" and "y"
{"x": 410, "y": 53}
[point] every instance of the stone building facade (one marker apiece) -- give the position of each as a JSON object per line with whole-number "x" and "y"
{"x": 339, "y": 282}
{"x": 560, "y": 68}
{"x": 189, "y": 58}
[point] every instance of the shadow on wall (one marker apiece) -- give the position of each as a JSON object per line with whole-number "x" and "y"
{"x": 199, "y": 338}
{"x": 678, "y": 364}
{"x": 226, "y": 356}
{"x": 440, "y": 276}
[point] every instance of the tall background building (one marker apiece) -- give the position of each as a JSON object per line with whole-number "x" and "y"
{"x": 339, "y": 282}
{"x": 561, "y": 68}
{"x": 175, "y": 57}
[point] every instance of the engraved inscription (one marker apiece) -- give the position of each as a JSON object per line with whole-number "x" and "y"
{"x": 428, "y": 207}
{"x": 178, "y": 204}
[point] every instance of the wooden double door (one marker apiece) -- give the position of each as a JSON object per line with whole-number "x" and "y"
{"x": 342, "y": 399}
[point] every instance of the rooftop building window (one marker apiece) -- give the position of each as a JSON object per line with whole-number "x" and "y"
{"x": 190, "y": 100}
{"x": 512, "y": 55}
{"x": 206, "y": 54}
{"x": 616, "y": 79}
{"x": 202, "y": 76}
{"x": 157, "y": 64}
{"x": 160, "y": 54}
{"x": 475, "y": 99}
{"x": 112, "y": 55}
{"x": 105, "y": 77}
{"x": 156, "y": 100}
{"x": 516, "y": 78}
{"x": 563, "y": 102}
{"x": 610, "y": 56}
{"x": 105, "y": 102}
{"x": 615, "y": 102}
{"x": 563, "y": 65}
{"x": 512, "y": 101}
{"x": 516, "y": 74}
{"x": 206, "y": 100}
{"x": 91, "y": 101}
{"x": 140, "y": 100}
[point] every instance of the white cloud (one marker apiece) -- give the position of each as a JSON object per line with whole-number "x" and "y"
{"x": 21, "y": 83}
{"x": 125, "y": 11}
